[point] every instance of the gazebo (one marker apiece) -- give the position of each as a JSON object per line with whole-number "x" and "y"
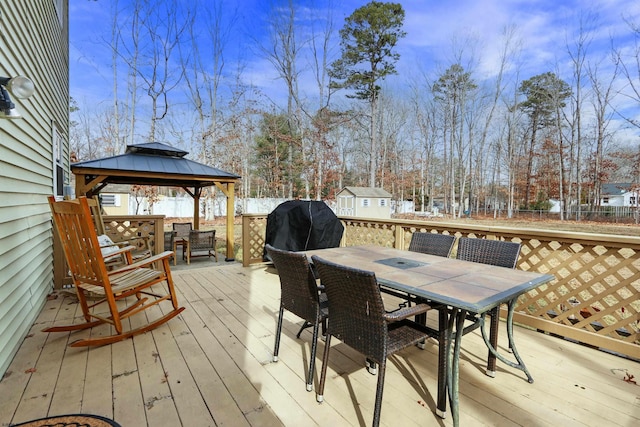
{"x": 158, "y": 164}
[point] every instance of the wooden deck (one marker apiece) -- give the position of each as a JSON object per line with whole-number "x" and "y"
{"x": 211, "y": 366}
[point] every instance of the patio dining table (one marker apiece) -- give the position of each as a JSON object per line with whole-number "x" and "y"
{"x": 457, "y": 289}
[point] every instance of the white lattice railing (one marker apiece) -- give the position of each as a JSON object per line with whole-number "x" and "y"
{"x": 594, "y": 299}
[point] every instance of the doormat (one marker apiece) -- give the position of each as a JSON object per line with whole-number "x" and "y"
{"x": 75, "y": 420}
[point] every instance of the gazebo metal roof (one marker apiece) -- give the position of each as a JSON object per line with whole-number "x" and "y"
{"x": 158, "y": 164}
{"x": 152, "y": 163}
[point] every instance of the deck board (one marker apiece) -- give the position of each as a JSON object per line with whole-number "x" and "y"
{"x": 212, "y": 366}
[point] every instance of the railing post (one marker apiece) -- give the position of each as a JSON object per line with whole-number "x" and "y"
{"x": 343, "y": 240}
{"x": 158, "y": 241}
{"x": 398, "y": 236}
{"x": 246, "y": 238}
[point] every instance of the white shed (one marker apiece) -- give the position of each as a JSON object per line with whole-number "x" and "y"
{"x": 365, "y": 202}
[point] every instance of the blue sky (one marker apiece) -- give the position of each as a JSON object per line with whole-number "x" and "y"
{"x": 435, "y": 29}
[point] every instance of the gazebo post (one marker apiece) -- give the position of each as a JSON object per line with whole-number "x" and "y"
{"x": 228, "y": 190}
{"x": 197, "y": 191}
{"x": 230, "y": 215}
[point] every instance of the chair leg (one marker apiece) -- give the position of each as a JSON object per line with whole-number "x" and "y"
{"x": 312, "y": 363}
{"x": 82, "y": 298}
{"x": 379, "y": 390}
{"x": 323, "y": 372}
{"x": 304, "y": 326}
{"x": 372, "y": 367}
{"x": 276, "y": 347}
{"x": 115, "y": 314}
{"x": 421, "y": 319}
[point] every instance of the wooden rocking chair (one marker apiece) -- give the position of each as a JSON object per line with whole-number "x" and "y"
{"x": 74, "y": 223}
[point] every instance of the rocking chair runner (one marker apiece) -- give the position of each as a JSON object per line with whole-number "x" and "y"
{"x": 90, "y": 275}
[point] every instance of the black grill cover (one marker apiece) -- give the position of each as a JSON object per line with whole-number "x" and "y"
{"x": 298, "y": 225}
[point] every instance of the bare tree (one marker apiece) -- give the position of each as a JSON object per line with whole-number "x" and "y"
{"x": 144, "y": 36}
{"x": 283, "y": 52}
{"x": 323, "y": 119}
{"x": 115, "y": 36}
{"x": 510, "y": 48}
{"x": 603, "y": 92}
{"x": 577, "y": 54}
{"x": 629, "y": 65}
{"x": 164, "y": 29}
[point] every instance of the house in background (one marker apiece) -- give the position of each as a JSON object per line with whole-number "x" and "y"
{"x": 619, "y": 194}
{"x": 115, "y": 203}
{"x": 34, "y": 160}
{"x": 117, "y": 200}
{"x": 364, "y": 202}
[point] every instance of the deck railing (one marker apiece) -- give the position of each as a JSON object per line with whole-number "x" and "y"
{"x": 595, "y": 298}
{"x": 124, "y": 227}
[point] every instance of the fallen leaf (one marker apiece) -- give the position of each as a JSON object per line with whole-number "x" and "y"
{"x": 628, "y": 378}
{"x": 30, "y": 371}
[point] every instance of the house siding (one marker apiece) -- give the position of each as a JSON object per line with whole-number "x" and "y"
{"x": 35, "y": 43}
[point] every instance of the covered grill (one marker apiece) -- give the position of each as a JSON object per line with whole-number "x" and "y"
{"x": 298, "y": 225}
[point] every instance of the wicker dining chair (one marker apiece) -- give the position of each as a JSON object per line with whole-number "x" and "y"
{"x": 182, "y": 229}
{"x": 301, "y": 295}
{"x": 200, "y": 243}
{"x": 432, "y": 243}
{"x": 169, "y": 237}
{"x": 492, "y": 252}
{"x": 358, "y": 319}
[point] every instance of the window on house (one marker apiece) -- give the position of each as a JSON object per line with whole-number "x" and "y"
{"x": 110, "y": 199}
{"x": 605, "y": 200}
{"x": 60, "y": 178}
{"x": 382, "y": 202}
{"x": 365, "y": 203}
{"x": 632, "y": 200}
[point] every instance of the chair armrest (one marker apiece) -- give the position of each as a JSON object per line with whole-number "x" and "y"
{"x": 143, "y": 263}
{"x": 406, "y": 312}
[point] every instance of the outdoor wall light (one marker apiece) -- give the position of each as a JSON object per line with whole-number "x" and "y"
{"x": 21, "y": 87}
